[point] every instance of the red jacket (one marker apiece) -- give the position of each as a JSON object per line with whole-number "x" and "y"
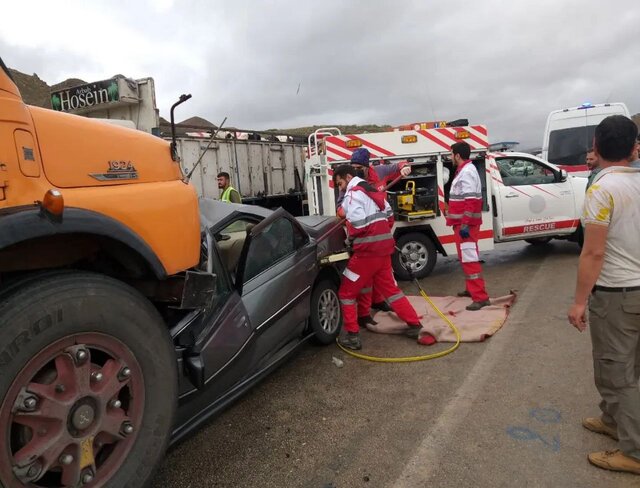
{"x": 381, "y": 175}
{"x": 368, "y": 219}
{"x": 465, "y": 197}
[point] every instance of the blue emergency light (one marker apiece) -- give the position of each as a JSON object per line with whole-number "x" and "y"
{"x": 586, "y": 105}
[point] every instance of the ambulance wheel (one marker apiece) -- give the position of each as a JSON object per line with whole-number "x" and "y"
{"x": 538, "y": 241}
{"x": 418, "y": 254}
{"x": 326, "y": 315}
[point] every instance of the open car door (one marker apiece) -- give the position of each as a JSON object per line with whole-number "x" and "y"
{"x": 275, "y": 276}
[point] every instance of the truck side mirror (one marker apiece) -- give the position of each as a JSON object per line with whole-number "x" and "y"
{"x": 563, "y": 175}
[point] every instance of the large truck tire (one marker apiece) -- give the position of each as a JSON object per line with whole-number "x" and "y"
{"x": 88, "y": 383}
{"x": 419, "y": 253}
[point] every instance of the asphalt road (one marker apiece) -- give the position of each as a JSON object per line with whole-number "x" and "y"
{"x": 503, "y": 413}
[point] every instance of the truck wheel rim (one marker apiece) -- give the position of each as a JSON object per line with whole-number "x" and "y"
{"x": 415, "y": 255}
{"x": 72, "y": 414}
{"x": 329, "y": 311}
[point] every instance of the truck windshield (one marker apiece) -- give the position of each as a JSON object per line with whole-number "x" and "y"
{"x": 569, "y": 146}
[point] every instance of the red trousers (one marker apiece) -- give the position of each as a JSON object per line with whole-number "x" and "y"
{"x": 468, "y": 256}
{"x": 367, "y": 296}
{"x": 361, "y": 272}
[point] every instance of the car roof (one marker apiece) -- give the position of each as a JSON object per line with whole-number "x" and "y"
{"x": 213, "y": 211}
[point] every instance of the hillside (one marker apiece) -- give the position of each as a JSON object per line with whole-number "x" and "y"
{"x": 37, "y": 92}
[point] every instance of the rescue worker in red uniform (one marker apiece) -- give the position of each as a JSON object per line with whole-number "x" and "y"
{"x": 378, "y": 177}
{"x": 465, "y": 216}
{"x": 367, "y": 220}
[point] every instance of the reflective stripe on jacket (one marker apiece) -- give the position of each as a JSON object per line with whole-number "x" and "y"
{"x": 465, "y": 198}
{"x": 368, "y": 214}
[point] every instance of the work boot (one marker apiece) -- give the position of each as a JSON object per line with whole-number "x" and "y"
{"x": 478, "y": 305}
{"x": 351, "y": 340}
{"x": 595, "y": 424}
{"x": 464, "y": 293}
{"x": 364, "y": 320}
{"x": 382, "y": 306}
{"x": 615, "y": 461}
{"x": 413, "y": 331}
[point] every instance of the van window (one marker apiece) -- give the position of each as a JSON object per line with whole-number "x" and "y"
{"x": 570, "y": 146}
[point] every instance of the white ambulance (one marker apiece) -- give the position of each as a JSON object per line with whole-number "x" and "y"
{"x": 525, "y": 197}
{"x": 568, "y": 134}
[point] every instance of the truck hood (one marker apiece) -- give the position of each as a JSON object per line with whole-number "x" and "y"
{"x": 81, "y": 152}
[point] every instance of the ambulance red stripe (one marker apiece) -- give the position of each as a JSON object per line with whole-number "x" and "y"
{"x": 472, "y": 136}
{"x": 480, "y": 129}
{"x": 431, "y": 137}
{"x": 539, "y": 227}
{"x": 542, "y": 189}
{"x": 371, "y": 145}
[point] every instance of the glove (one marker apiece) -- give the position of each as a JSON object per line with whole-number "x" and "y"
{"x": 406, "y": 170}
{"x": 349, "y": 245}
{"x": 464, "y": 231}
{"x": 340, "y": 213}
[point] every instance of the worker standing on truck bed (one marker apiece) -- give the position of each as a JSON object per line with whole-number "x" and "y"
{"x": 229, "y": 193}
{"x": 367, "y": 213}
{"x": 465, "y": 216}
{"x": 378, "y": 177}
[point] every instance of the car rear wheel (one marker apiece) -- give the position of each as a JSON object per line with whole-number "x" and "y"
{"x": 538, "y": 241}
{"x": 418, "y": 254}
{"x": 326, "y": 315}
{"x": 88, "y": 384}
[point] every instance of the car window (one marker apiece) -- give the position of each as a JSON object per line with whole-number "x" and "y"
{"x": 276, "y": 241}
{"x": 230, "y": 241}
{"x": 516, "y": 172}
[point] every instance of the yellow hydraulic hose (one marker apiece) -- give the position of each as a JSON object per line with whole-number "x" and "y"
{"x": 409, "y": 359}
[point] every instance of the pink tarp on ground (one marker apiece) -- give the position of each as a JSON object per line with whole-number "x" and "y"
{"x": 473, "y": 326}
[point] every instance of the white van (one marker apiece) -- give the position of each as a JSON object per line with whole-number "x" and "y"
{"x": 568, "y": 134}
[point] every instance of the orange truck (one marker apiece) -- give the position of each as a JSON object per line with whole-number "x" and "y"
{"x": 96, "y": 222}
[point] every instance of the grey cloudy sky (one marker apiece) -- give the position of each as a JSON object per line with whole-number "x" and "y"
{"x": 505, "y": 64}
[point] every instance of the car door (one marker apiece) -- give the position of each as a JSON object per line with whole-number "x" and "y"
{"x": 275, "y": 276}
{"x": 534, "y": 199}
{"x": 224, "y": 331}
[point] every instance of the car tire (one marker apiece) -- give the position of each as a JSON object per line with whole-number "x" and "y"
{"x": 96, "y": 347}
{"x": 424, "y": 254}
{"x": 538, "y": 241}
{"x": 326, "y": 315}
{"x": 579, "y": 236}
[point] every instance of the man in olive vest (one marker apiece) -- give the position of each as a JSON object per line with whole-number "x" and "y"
{"x": 229, "y": 193}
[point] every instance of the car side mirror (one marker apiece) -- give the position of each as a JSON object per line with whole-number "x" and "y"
{"x": 563, "y": 175}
